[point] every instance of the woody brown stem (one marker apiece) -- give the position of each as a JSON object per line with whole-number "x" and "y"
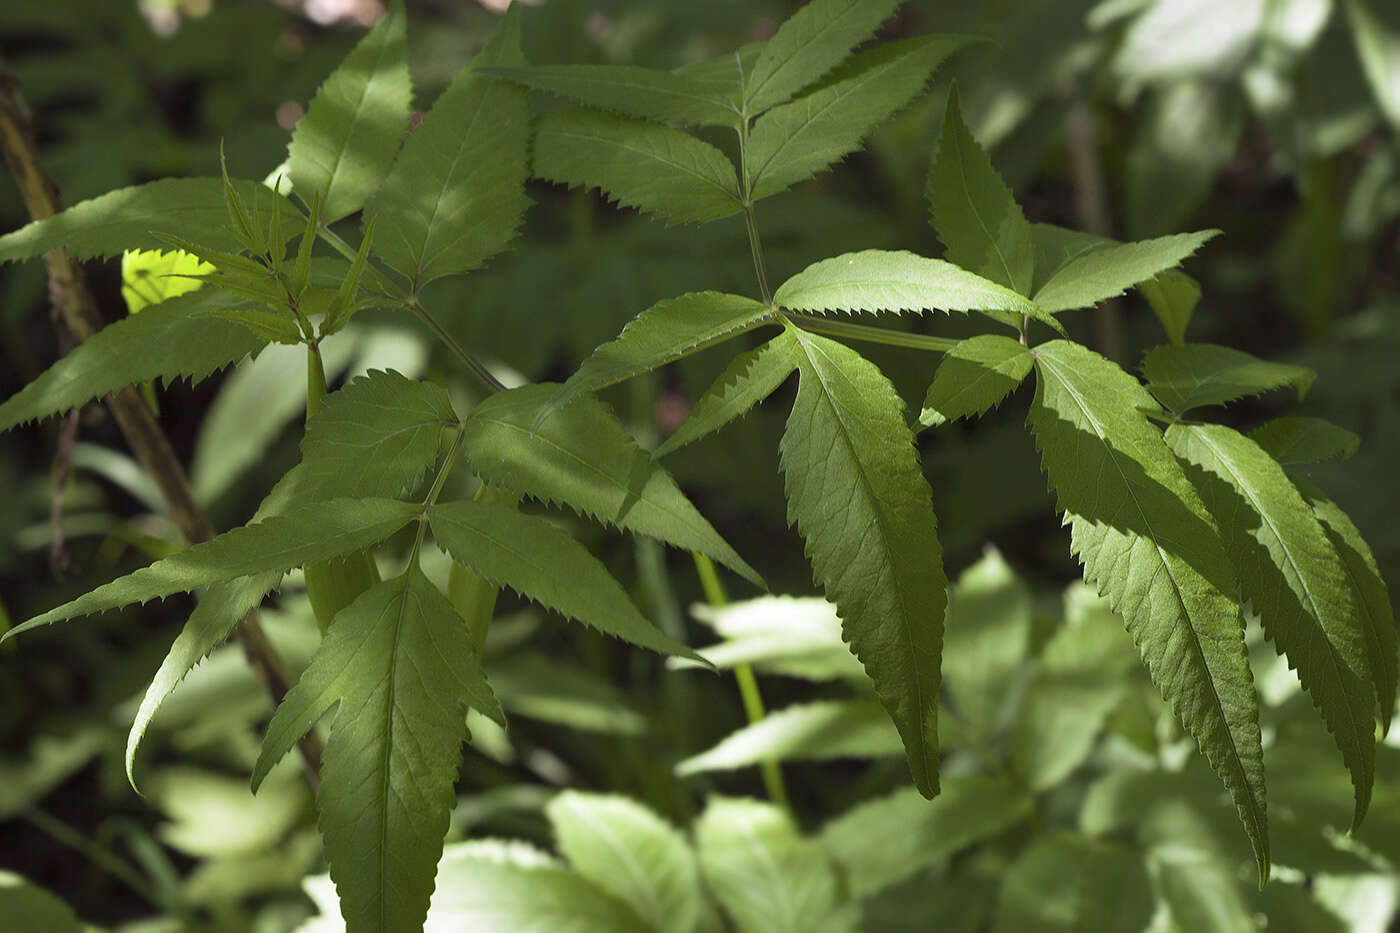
{"x": 74, "y": 306}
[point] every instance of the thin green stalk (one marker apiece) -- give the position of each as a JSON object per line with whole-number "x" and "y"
{"x": 64, "y": 834}
{"x": 748, "y": 683}
{"x": 756, "y": 248}
{"x": 315, "y": 380}
{"x": 892, "y": 338}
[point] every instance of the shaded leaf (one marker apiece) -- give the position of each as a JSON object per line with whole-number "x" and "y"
{"x": 1294, "y": 439}
{"x": 1194, "y": 374}
{"x": 975, "y": 375}
{"x": 1108, "y": 271}
{"x": 986, "y": 639}
{"x": 627, "y": 89}
{"x": 1173, "y": 296}
{"x": 1378, "y": 47}
{"x": 1068, "y": 883}
{"x": 808, "y": 45}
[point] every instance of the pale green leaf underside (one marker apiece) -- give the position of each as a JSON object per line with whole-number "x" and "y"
{"x": 662, "y": 96}
{"x": 788, "y": 635}
{"x": 1378, "y": 47}
{"x": 793, "y": 141}
{"x": 973, "y": 376}
{"x": 374, "y": 437}
{"x": 343, "y": 147}
{"x": 585, "y": 459}
{"x": 1195, "y": 374}
{"x": 663, "y": 333}
{"x": 541, "y": 562}
{"x": 875, "y": 280}
{"x": 1063, "y": 883}
{"x": 315, "y": 533}
{"x": 1292, "y": 575}
{"x": 1107, "y": 271}
{"x": 1295, "y": 439}
{"x": 749, "y": 378}
{"x": 630, "y": 852}
{"x": 1149, "y": 545}
{"x": 399, "y": 664}
{"x": 814, "y": 731}
{"x": 858, "y": 497}
{"x": 456, "y": 193}
{"x": 1372, "y": 596}
{"x": 973, "y": 211}
{"x": 810, "y": 43}
{"x": 168, "y": 341}
{"x": 131, "y": 218}
{"x": 768, "y": 878}
{"x": 637, "y": 164}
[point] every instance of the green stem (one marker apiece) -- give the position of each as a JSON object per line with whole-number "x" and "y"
{"x": 64, "y": 834}
{"x": 756, "y": 248}
{"x": 315, "y": 380}
{"x": 748, "y": 683}
{"x": 892, "y": 338}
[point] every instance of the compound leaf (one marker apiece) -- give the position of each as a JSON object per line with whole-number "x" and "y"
{"x": 585, "y": 459}
{"x": 637, "y": 164}
{"x": 858, "y": 497}
{"x": 662, "y": 96}
{"x": 1189, "y": 375}
{"x": 342, "y": 149}
{"x": 810, "y": 43}
{"x": 975, "y": 375}
{"x": 456, "y": 193}
{"x": 400, "y": 665}
{"x": 794, "y": 141}
{"x": 539, "y": 561}
{"x": 1295, "y": 439}
{"x": 973, "y": 211}
{"x": 1147, "y": 542}
{"x": 1109, "y": 270}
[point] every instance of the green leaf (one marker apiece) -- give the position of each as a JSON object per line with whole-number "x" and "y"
{"x": 975, "y": 375}
{"x": 399, "y": 666}
{"x": 889, "y": 839}
{"x": 1371, "y": 596}
{"x": 815, "y": 731}
{"x": 876, "y": 280}
{"x": 539, "y": 561}
{"x": 318, "y": 532}
{"x": 456, "y": 194}
{"x": 858, "y": 497}
{"x": 374, "y": 437}
{"x": 152, "y": 276}
{"x": 1378, "y": 47}
{"x": 662, "y": 96}
{"x": 723, "y": 75}
{"x": 637, "y": 164}
{"x": 794, "y": 141}
{"x": 1294, "y": 439}
{"x": 1195, "y": 878}
{"x": 792, "y": 636}
{"x": 986, "y": 638}
{"x": 1065, "y": 883}
{"x": 973, "y": 211}
{"x": 27, "y": 906}
{"x": 1195, "y": 374}
{"x": 1148, "y": 543}
{"x": 343, "y": 147}
{"x": 810, "y": 43}
{"x": 633, "y": 854}
{"x": 1173, "y": 296}
{"x": 663, "y": 333}
{"x": 269, "y": 326}
{"x": 1293, "y": 577}
{"x": 769, "y": 878}
{"x": 166, "y": 341}
{"x": 1108, "y": 271}
{"x": 585, "y": 459}
{"x": 131, "y": 218}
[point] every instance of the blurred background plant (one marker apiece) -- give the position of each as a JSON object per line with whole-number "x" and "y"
{"x": 1070, "y": 797}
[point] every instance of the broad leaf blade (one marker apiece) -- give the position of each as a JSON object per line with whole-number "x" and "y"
{"x": 973, "y": 376}
{"x": 857, "y": 495}
{"x": 319, "y": 532}
{"x": 1107, "y": 271}
{"x": 585, "y": 459}
{"x": 816, "y": 731}
{"x": 1173, "y": 297}
{"x": 663, "y": 333}
{"x": 637, "y": 164}
{"x": 1294, "y": 439}
{"x": 1148, "y": 543}
{"x": 662, "y": 96}
{"x": 985, "y": 642}
{"x": 876, "y": 280}
{"x": 1378, "y": 47}
{"x": 788, "y": 635}
{"x": 152, "y": 276}
{"x": 1063, "y": 883}
{"x": 749, "y": 378}
{"x": 633, "y": 854}
{"x": 809, "y": 44}
{"x": 973, "y": 211}
{"x": 168, "y": 341}
{"x": 1195, "y": 374}
{"x": 539, "y": 561}
{"x": 456, "y": 193}
{"x": 1294, "y": 578}
{"x": 794, "y": 141}
{"x": 342, "y": 149}
{"x": 399, "y": 663}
